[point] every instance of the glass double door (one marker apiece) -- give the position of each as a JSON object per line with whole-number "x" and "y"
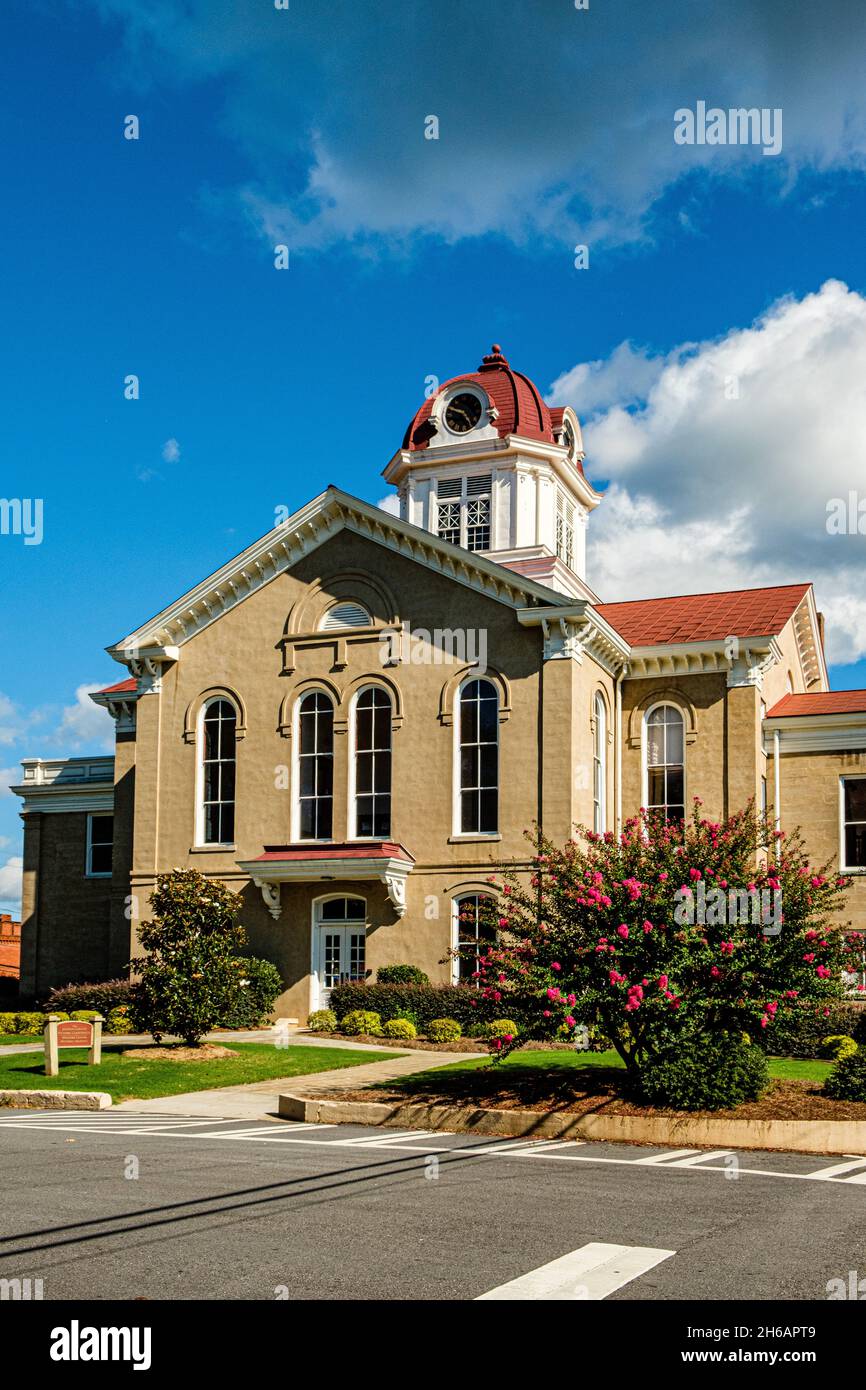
{"x": 342, "y": 944}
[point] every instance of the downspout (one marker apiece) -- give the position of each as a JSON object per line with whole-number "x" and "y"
{"x": 777, "y": 792}
{"x": 618, "y": 747}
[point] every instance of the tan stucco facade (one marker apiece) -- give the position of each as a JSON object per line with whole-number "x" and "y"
{"x": 264, "y": 651}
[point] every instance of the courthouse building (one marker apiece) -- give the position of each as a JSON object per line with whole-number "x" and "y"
{"x": 358, "y": 716}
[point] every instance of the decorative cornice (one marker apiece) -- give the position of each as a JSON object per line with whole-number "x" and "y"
{"x": 574, "y": 627}
{"x": 268, "y": 877}
{"x": 743, "y": 661}
{"x": 163, "y": 637}
{"x": 816, "y": 733}
{"x": 66, "y": 784}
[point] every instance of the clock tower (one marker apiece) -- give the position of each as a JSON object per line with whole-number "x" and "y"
{"x": 486, "y": 465}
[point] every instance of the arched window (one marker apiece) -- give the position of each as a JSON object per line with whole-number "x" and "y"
{"x": 215, "y": 819}
{"x": 475, "y": 932}
{"x": 373, "y": 764}
{"x": 599, "y": 768}
{"x": 342, "y": 615}
{"x": 315, "y": 780}
{"x": 665, "y": 762}
{"x": 479, "y": 758}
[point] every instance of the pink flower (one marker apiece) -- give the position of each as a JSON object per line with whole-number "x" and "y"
{"x": 553, "y": 994}
{"x": 662, "y": 876}
{"x": 663, "y": 981}
{"x": 569, "y": 1020}
{"x": 647, "y": 927}
{"x": 694, "y": 873}
{"x": 622, "y": 930}
{"x": 809, "y": 956}
{"x": 555, "y": 965}
{"x": 715, "y": 972}
{"x": 822, "y": 971}
{"x": 546, "y": 1013}
{"x": 571, "y": 999}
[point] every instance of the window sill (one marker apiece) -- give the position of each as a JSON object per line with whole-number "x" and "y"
{"x": 107, "y": 875}
{"x": 211, "y": 849}
{"x": 860, "y": 870}
{"x": 471, "y": 838}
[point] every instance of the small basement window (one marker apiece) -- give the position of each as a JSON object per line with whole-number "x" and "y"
{"x": 344, "y": 615}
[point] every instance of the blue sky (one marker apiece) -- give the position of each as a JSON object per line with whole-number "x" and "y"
{"x": 408, "y": 257}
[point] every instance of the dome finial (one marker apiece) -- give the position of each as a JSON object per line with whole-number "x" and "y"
{"x": 493, "y": 359}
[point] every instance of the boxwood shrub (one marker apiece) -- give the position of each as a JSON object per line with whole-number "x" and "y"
{"x": 398, "y": 1028}
{"x": 441, "y": 1030}
{"x": 704, "y": 1073}
{"x": 360, "y": 1021}
{"x": 847, "y": 1080}
{"x": 422, "y": 1003}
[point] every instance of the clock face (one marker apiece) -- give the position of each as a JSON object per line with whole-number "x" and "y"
{"x": 463, "y": 412}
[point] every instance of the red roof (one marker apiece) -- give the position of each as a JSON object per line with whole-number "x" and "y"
{"x": 517, "y": 399}
{"x": 372, "y": 849}
{"x": 649, "y": 622}
{"x": 122, "y": 687}
{"x": 819, "y": 702}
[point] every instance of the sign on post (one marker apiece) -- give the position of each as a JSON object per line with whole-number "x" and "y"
{"x": 71, "y": 1032}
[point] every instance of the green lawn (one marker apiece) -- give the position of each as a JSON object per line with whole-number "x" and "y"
{"x": 10, "y": 1039}
{"x": 125, "y": 1078}
{"x": 530, "y": 1063}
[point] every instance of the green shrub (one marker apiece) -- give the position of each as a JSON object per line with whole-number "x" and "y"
{"x": 361, "y": 1021}
{"x": 399, "y": 1028}
{"x": 847, "y": 1080}
{"x": 189, "y": 979}
{"x": 260, "y": 986}
{"x": 838, "y": 1046}
{"x": 401, "y": 975}
{"x": 7, "y": 1023}
{"x": 421, "y": 1003}
{"x": 442, "y": 1030}
{"x": 504, "y": 1028}
{"x": 322, "y": 1021}
{"x": 84, "y": 1015}
{"x": 103, "y": 997}
{"x": 117, "y": 1021}
{"x": 708, "y": 1072}
{"x": 29, "y": 1023}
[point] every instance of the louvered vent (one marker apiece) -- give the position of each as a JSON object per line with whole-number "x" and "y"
{"x": 448, "y": 487}
{"x": 478, "y": 485}
{"x": 345, "y": 615}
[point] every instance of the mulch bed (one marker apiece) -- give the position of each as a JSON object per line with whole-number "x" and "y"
{"x": 570, "y": 1095}
{"x": 208, "y": 1052}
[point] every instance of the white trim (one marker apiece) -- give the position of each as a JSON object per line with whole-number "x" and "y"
{"x": 295, "y": 816}
{"x": 88, "y": 871}
{"x": 63, "y": 785}
{"x": 200, "y": 842}
{"x": 393, "y": 872}
{"x": 843, "y": 867}
{"x": 457, "y": 833}
{"x": 599, "y": 753}
{"x": 352, "y": 809}
{"x": 660, "y": 704}
{"x": 457, "y": 897}
{"x": 817, "y": 733}
{"x": 316, "y": 926}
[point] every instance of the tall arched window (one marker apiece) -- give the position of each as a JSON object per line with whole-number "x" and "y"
{"x": 475, "y": 932}
{"x": 315, "y": 779}
{"x": 373, "y": 764}
{"x": 665, "y": 762}
{"x": 216, "y": 778}
{"x": 479, "y": 758}
{"x": 599, "y": 767}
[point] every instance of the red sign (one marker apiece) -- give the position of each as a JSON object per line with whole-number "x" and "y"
{"x": 74, "y": 1033}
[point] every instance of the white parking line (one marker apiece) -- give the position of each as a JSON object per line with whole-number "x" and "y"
{"x": 702, "y": 1157}
{"x": 590, "y": 1273}
{"x": 824, "y": 1174}
{"x": 667, "y": 1157}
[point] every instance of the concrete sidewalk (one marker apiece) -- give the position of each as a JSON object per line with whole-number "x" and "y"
{"x": 259, "y": 1100}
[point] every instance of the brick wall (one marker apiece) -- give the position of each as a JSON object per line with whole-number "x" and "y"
{"x": 10, "y": 947}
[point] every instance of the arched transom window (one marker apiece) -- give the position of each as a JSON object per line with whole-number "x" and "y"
{"x": 315, "y": 779}
{"x": 373, "y": 764}
{"x": 478, "y": 758}
{"x": 476, "y": 931}
{"x": 665, "y": 762}
{"x": 216, "y": 777}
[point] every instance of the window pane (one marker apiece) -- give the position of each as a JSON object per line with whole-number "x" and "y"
{"x": 469, "y": 811}
{"x": 674, "y": 740}
{"x": 100, "y": 859}
{"x": 365, "y": 815}
{"x": 382, "y": 825}
{"x": 855, "y": 846}
{"x": 325, "y": 731}
{"x": 469, "y": 767}
{"x": 855, "y": 798}
{"x": 656, "y": 786}
{"x": 489, "y": 760}
{"x": 489, "y": 812}
{"x": 101, "y": 830}
{"x": 382, "y": 781}
{"x": 488, "y": 722}
{"x": 324, "y": 776}
{"x": 325, "y": 808}
{"x": 383, "y": 725}
{"x": 365, "y": 772}
{"x": 308, "y": 820}
{"x": 227, "y": 828}
{"x": 675, "y": 785}
{"x": 364, "y": 727}
{"x": 468, "y": 718}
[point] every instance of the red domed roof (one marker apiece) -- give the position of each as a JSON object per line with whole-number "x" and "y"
{"x": 516, "y": 398}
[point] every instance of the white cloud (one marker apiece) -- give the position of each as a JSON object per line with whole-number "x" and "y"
{"x": 171, "y": 451}
{"x": 84, "y": 724}
{"x": 390, "y": 504}
{"x": 722, "y": 476}
{"x": 8, "y": 776}
{"x": 622, "y": 379}
{"x": 11, "y": 722}
{"x": 10, "y": 884}
{"x": 576, "y": 150}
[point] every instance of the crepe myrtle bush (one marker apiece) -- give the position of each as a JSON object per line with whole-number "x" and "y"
{"x": 596, "y": 938}
{"x": 190, "y": 978}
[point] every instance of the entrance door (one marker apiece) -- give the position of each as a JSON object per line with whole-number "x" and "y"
{"x": 342, "y": 939}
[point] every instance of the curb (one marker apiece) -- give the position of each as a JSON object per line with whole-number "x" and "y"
{"x": 56, "y": 1100}
{"x": 791, "y": 1136}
